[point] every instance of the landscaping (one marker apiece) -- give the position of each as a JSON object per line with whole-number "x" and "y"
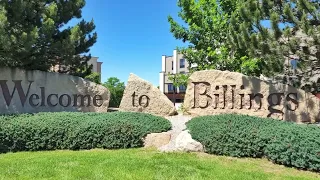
{"x": 286, "y": 143}
{"x": 140, "y": 164}
{"x": 76, "y": 130}
{"x": 53, "y": 135}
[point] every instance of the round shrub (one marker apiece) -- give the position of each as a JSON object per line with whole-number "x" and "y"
{"x": 76, "y": 130}
{"x": 296, "y": 146}
{"x": 282, "y": 142}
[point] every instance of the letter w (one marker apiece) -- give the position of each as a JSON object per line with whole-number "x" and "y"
{"x": 17, "y": 85}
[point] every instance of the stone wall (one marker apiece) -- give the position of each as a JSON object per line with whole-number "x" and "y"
{"x": 215, "y": 92}
{"x": 24, "y": 91}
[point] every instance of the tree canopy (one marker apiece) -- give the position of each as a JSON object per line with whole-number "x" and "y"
{"x": 249, "y": 36}
{"x": 205, "y": 29}
{"x": 179, "y": 79}
{"x": 34, "y": 35}
{"x": 116, "y": 88}
{"x": 94, "y": 77}
{"x": 276, "y": 31}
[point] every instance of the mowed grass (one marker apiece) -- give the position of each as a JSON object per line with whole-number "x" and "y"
{"x": 140, "y": 164}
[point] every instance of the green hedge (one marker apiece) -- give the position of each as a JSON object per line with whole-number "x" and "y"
{"x": 282, "y": 142}
{"x": 75, "y": 130}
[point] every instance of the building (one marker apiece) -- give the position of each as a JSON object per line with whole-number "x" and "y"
{"x": 96, "y": 66}
{"x": 172, "y": 65}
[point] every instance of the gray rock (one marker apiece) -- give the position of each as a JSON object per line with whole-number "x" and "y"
{"x": 23, "y": 91}
{"x": 184, "y": 142}
{"x": 211, "y": 92}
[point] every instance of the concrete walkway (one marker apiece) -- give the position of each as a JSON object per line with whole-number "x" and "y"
{"x": 178, "y": 125}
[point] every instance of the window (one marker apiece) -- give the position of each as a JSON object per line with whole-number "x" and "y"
{"x": 182, "y": 88}
{"x": 172, "y": 65}
{"x": 182, "y": 63}
{"x": 170, "y": 87}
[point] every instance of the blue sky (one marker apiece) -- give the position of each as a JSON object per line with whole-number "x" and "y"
{"x": 132, "y": 36}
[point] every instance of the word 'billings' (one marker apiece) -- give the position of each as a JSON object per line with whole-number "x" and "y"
{"x": 218, "y": 98}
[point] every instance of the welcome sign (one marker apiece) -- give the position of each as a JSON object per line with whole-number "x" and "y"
{"x": 215, "y": 92}
{"x": 35, "y": 91}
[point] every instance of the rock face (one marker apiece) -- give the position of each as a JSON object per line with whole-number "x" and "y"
{"x": 215, "y": 92}
{"x": 142, "y": 96}
{"x": 157, "y": 139}
{"x": 184, "y": 142}
{"x": 36, "y": 91}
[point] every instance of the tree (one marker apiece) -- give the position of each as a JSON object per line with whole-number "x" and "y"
{"x": 34, "y": 35}
{"x": 293, "y": 31}
{"x": 116, "y": 89}
{"x": 206, "y": 31}
{"x": 94, "y": 77}
{"x": 179, "y": 79}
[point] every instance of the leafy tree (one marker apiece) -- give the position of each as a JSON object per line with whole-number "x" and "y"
{"x": 116, "y": 89}
{"x": 34, "y": 35}
{"x": 94, "y": 77}
{"x": 179, "y": 79}
{"x": 276, "y": 31}
{"x": 207, "y": 24}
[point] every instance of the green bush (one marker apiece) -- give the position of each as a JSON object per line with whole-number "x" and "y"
{"x": 282, "y": 142}
{"x": 75, "y": 130}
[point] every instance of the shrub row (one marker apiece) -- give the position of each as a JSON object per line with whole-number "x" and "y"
{"x": 286, "y": 143}
{"x": 75, "y": 130}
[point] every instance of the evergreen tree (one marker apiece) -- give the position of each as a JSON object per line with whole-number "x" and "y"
{"x": 276, "y": 31}
{"x": 34, "y": 36}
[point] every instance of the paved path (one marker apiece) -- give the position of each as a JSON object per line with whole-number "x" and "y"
{"x": 178, "y": 125}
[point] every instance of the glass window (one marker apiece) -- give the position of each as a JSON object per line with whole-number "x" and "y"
{"x": 170, "y": 87}
{"x": 182, "y": 63}
{"x": 172, "y": 65}
{"x": 182, "y": 88}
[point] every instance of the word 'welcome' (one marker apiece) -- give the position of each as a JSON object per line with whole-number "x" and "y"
{"x": 43, "y": 99}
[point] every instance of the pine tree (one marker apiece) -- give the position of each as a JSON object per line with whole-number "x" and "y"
{"x": 276, "y": 31}
{"x": 34, "y": 35}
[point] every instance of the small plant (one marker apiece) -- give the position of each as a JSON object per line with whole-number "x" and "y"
{"x": 182, "y": 109}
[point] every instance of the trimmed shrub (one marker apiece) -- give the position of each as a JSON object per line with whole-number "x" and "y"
{"x": 76, "y": 130}
{"x": 287, "y": 143}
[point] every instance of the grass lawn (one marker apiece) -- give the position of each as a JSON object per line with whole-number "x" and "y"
{"x": 139, "y": 164}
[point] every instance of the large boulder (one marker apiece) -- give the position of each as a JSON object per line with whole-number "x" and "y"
{"x": 141, "y": 96}
{"x": 24, "y": 91}
{"x": 184, "y": 142}
{"x": 214, "y": 92}
{"x": 157, "y": 140}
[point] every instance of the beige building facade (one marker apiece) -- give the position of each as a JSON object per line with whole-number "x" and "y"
{"x": 96, "y": 66}
{"x": 174, "y": 64}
